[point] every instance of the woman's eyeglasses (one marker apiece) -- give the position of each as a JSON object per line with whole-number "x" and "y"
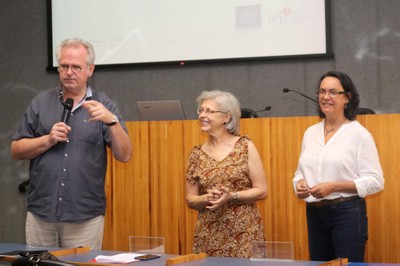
{"x": 208, "y": 111}
{"x": 332, "y": 93}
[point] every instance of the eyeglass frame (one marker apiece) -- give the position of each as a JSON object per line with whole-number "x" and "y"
{"x": 65, "y": 68}
{"x": 332, "y": 93}
{"x": 208, "y": 111}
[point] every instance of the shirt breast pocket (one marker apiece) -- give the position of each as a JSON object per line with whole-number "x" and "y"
{"x": 90, "y": 132}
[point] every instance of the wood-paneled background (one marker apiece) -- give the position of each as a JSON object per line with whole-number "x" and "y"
{"x": 146, "y": 197}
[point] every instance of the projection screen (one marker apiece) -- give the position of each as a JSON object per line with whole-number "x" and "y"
{"x": 131, "y": 32}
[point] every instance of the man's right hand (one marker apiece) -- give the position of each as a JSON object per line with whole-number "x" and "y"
{"x": 59, "y": 133}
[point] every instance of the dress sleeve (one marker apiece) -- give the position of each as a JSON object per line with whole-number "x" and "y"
{"x": 191, "y": 177}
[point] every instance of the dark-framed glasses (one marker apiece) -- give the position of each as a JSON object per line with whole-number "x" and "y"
{"x": 74, "y": 68}
{"x": 208, "y": 111}
{"x": 331, "y": 93}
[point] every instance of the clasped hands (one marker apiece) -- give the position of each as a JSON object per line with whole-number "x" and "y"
{"x": 217, "y": 197}
{"x": 318, "y": 191}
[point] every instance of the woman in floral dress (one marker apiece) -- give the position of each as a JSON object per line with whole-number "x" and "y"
{"x": 224, "y": 179}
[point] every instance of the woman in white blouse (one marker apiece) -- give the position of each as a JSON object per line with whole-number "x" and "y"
{"x": 338, "y": 166}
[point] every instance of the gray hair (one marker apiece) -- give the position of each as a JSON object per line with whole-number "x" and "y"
{"x": 76, "y": 42}
{"x": 228, "y": 103}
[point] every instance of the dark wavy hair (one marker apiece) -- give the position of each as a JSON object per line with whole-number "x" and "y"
{"x": 350, "y": 111}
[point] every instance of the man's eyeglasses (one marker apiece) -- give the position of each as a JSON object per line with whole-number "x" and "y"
{"x": 331, "y": 93}
{"x": 74, "y": 68}
{"x": 208, "y": 111}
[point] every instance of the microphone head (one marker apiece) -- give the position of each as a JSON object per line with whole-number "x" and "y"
{"x": 286, "y": 90}
{"x": 69, "y": 103}
{"x": 265, "y": 109}
{"x": 248, "y": 113}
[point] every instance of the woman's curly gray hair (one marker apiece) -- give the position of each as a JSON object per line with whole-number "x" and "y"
{"x": 228, "y": 103}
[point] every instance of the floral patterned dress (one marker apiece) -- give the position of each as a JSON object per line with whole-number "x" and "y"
{"x": 229, "y": 230}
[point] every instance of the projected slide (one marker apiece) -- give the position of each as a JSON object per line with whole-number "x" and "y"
{"x": 150, "y": 31}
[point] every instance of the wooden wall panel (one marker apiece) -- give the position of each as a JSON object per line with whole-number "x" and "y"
{"x": 289, "y": 223}
{"x": 147, "y": 195}
{"x": 166, "y": 181}
{"x": 259, "y": 132}
{"x": 384, "y": 208}
{"x": 128, "y": 200}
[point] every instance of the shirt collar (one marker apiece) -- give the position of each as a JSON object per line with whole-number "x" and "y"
{"x": 88, "y": 96}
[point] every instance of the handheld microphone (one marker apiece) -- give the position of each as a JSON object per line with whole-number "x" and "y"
{"x": 69, "y": 103}
{"x": 285, "y": 90}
